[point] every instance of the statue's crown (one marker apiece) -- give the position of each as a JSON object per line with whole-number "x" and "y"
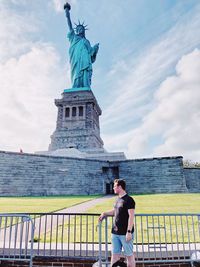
{"x": 81, "y": 24}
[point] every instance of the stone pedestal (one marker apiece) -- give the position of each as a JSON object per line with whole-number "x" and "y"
{"x": 77, "y": 121}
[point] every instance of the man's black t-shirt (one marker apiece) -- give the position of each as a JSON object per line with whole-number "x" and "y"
{"x": 120, "y": 223}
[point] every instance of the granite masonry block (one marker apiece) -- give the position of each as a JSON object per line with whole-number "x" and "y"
{"x": 192, "y": 177}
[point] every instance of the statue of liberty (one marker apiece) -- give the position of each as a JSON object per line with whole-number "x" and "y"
{"x": 81, "y": 53}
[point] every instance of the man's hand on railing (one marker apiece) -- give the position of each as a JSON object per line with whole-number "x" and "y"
{"x": 102, "y": 216}
{"x": 107, "y": 213}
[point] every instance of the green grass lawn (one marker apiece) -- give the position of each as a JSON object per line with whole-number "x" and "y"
{"x": 39, "y": 204}
{"x": 159, "y": 203}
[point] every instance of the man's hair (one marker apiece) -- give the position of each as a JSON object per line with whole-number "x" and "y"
{"x": 120, "y": 182}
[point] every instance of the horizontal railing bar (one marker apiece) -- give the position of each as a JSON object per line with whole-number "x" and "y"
{"x": 164, "y": 261}
{"x": 50, "y": 213}
{"x": 156, "y": 227}
{"x": 15, "y": 258}
{"x": 97, "y": 214}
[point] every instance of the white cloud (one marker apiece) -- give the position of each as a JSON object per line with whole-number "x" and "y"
{"x": 31, "y": 76}
{"x": 175, "y": 117}
{"x": 58, "y": 5}
{"x": 29, "y": 85}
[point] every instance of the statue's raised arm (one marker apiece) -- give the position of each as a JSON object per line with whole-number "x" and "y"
{"x": 67, "y": 8}
{"x": 81, "y": 53}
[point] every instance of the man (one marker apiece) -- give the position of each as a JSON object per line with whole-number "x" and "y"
{"x": 123, "y": 224}
{"x": 81, "y": 53}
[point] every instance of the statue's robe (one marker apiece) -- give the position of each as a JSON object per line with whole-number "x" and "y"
{"x": 82, "y": 55}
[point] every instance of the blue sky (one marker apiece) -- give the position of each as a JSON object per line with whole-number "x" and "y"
{"x": 146, "y": 77}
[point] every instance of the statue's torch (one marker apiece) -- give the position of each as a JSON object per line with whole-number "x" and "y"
{"x": 67, "y": 6}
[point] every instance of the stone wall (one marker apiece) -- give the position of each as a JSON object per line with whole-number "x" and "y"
{"x": 155, "y": 175}
{"x": 192, "y": 177}
{"x": 31, "y": 175}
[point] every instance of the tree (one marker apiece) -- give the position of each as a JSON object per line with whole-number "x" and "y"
{"x": 190, "y": 164}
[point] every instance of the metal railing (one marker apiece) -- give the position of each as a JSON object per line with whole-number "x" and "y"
{"x": 16, "y": 237}
{"x": 158, "y": 237}
{"x": 163, "y": 238}
{"x": 65, "y": 234}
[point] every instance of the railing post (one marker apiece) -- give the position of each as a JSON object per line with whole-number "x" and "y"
{"x": 32, "y": 237}
{"x": 106, "y": 240}
{"x": 100, "y": 244}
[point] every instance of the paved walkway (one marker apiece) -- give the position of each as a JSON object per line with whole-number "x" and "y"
{"x": 45, "y": 223}
{"x": 83, "y": 207}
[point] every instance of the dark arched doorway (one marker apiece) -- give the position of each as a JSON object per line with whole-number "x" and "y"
{"x": 109, "y": 188}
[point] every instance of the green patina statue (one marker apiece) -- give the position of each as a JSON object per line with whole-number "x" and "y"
{"x": 82, "y": 55}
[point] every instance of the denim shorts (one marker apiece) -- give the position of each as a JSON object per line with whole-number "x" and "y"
{"x": 119, "y": 242}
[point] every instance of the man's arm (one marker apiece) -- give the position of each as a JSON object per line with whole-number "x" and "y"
{"x": 131, "y": 213}
{"x": 107, "y": 213}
